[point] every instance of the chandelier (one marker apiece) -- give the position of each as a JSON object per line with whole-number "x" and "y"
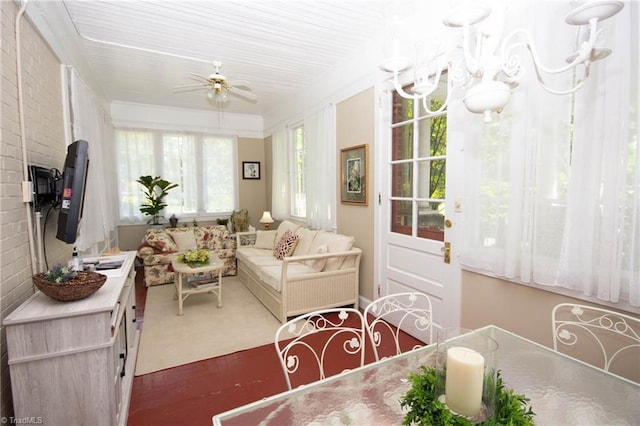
{"x": 486, "y": 68}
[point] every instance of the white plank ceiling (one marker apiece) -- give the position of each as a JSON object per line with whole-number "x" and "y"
{"x": 138, "y": 51}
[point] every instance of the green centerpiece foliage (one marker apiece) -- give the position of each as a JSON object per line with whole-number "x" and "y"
{"x": 155, "y": 190}
{"x": 424, "y": 408}
{"x": 195, "y": 258}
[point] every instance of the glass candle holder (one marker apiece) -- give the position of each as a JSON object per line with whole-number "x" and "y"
{"x": 466, "y": 373}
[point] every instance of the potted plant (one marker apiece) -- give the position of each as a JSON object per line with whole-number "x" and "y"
{"x": 155, "y": 190}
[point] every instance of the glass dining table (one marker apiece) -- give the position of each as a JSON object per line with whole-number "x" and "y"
{"x": 561, "y": 390}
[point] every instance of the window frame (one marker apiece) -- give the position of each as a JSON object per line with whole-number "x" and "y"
{"x": 158, "y": 143}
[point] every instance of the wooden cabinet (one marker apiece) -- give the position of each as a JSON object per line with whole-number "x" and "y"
{"x": 73, "y": 362}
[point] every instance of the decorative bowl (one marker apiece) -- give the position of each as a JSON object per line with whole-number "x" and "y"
{"x": 84, "y": 285}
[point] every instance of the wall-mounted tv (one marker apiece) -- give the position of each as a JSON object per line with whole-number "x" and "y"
{"x": 74, "y": 179}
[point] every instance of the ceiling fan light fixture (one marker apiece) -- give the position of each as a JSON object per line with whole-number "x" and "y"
{"x": 217, "y": 88}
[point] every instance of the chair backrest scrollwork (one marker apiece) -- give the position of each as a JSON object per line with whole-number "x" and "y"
{"x": 606, "y": 339}
{"x": 399, "y": 322}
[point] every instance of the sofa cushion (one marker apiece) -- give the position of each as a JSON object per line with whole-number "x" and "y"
{"x": 286, "y": 245}
{"x": 306, "y": 237}
{"x": 265, "y": 239}
{"x": 284, "y": 227}
{"x": 319, "y": 264}
{"x": 213, "y": 237}
{"x": 160, "y": 241}
{"x": 336, "y": 243}
{"x": 185, "y": 240}
{"x": 272, "y": 275}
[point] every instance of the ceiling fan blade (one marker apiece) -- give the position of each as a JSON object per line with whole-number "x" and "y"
{"x": 191, "y": 87}
{"x": 243, "y": 94}
{"x": 198, "y": 76}
{"x": 240, "y": 83}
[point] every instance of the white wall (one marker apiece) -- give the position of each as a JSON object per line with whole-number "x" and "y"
{"x": 141, "y": 116}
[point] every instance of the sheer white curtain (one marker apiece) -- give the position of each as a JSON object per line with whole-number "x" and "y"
{"x": 548, "y": 207}
{"x": 320, "y": 166}
{"x": 602, "y": 236}
{"x": 280, "y": 197}
{"x": 92, "y": 124}
{"x": 138, "y": 145}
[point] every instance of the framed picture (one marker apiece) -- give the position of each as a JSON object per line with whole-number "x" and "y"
{"x": 250, "y": 170}
{"x": 354, "y": 172}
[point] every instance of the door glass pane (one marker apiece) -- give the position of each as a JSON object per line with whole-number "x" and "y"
{"x": 402, "y": 148}
{"x": 431, "y": 179}
{"x": 402, "y": 180}
{"x": 401, "y": 217}
{"x": 431, "y": 220}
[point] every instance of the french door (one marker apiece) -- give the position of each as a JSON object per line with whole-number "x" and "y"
{"x": 417, "y": 208}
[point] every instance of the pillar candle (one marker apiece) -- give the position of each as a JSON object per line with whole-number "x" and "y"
{"x": 463, "y": 385}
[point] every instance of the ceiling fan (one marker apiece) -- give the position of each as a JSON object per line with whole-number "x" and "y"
{"x": 217, "y": 87}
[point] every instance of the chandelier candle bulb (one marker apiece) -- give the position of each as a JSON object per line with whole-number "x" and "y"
{"x": 464, "y": 380}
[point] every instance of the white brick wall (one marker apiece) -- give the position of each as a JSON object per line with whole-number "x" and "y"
{"x": 45, "y": 146}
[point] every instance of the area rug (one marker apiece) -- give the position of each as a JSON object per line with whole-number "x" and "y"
{"x": 204, "y": 331}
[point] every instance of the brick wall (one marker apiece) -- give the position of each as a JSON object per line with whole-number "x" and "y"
{"x": 46, "y": 147}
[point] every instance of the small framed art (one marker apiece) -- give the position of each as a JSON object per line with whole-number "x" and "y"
{"x": 250, "y": 170}
{"x": 354, "y": 171}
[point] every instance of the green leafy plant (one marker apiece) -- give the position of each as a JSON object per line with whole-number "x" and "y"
{"x": 155, "y": 191}
{"x": 59, "y": 274}
{"x": 424, "y": 408}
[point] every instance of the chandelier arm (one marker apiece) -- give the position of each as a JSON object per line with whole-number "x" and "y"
{"x": 446, "y": 101}
{"x": 574, "y": 89}
{"x": 398, "y": 87}
{"x": 472, "y": 63}
{"x": 583, "y": 56}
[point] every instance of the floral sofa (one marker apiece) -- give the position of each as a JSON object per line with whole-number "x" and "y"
{"x": 295, "y": 270}
{"x": 160, "y": 246}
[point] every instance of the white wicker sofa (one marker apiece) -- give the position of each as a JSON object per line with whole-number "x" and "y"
{"x": 322, "y": 271}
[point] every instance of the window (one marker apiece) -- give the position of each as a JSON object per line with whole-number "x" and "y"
{"x": 299, "y": 198}
{"x": 418, "y": 168}
{"x": 203, "y": 166}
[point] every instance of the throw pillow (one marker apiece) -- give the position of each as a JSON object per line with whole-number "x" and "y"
{"x": 185, "y": 240}
{"x": 265, "y": 239}
{"x": 318, "y": 264}
{"x": 286, "y": 245}
{"x": 160, "y": 241}
{"x": 285, "y": 226}
{"x": 304, "y": 242}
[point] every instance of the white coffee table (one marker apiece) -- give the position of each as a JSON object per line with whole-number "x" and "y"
{"x": 184, "y": 289}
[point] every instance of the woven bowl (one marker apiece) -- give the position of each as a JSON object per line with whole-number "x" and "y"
{"x": 78, "y": 288}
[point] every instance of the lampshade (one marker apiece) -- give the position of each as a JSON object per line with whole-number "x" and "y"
{"x": 266, "y": 218}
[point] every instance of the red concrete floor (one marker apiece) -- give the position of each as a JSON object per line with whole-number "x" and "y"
{"x": 192, "y": 394}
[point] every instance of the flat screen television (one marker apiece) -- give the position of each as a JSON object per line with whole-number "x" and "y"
{"x": 74, "y": 180}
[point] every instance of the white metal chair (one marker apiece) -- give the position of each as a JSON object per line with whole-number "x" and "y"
{"x": 389, "y": 317}
{"x": 606, "y": 339}
{"x": 322, "y": 344}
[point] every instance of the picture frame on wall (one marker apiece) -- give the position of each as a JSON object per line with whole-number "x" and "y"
{"x": 354, "y": 175}
{"x": 250, "y": 170}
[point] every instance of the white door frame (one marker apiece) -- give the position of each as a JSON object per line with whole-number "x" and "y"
{"x": 404, "y": 263}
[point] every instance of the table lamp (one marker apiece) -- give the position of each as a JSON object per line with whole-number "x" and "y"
{"x": 266, "y": 220}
